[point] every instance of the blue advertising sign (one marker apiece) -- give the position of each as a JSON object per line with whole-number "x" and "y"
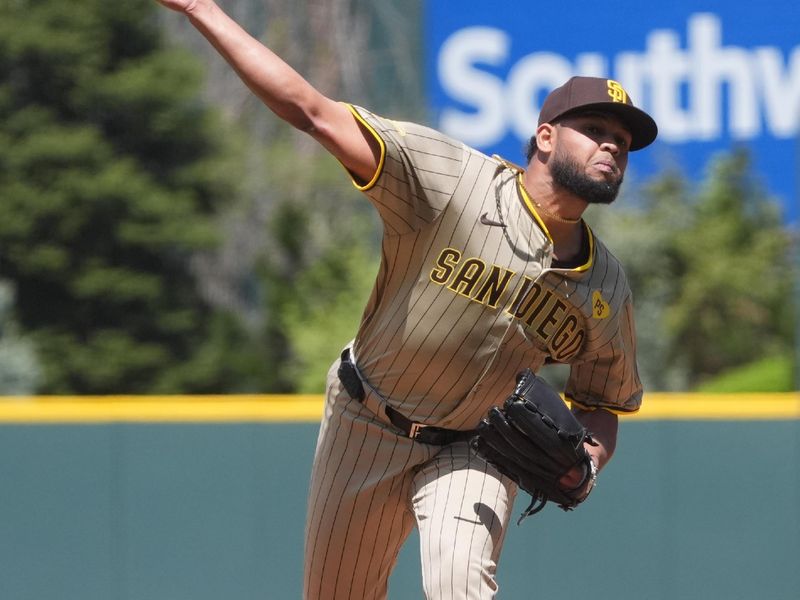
{"x": 714, "y": 75}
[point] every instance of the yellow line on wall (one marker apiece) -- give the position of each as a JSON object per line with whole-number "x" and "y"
{"x": 719, "y": 406}
{"x": 308, "y": 408}
{"x": 162, "y": 409}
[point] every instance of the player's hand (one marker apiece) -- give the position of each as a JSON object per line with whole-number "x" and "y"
{"x": 577, "y": 477}
{"x": 573, "y": 478}
{"x": 179, "y": 5}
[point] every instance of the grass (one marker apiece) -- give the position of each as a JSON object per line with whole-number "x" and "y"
{"x": 772, "y": 374}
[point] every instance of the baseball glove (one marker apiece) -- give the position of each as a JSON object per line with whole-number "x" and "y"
{"x": 535, "y": 440}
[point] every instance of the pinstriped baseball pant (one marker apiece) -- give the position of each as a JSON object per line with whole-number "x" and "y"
{"x": 369, "y": 487}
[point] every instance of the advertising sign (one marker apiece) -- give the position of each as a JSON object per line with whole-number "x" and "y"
{"x": 715, "y": 75}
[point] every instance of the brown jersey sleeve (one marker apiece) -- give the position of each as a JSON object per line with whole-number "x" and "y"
{"x": 418, "y": 172}
{"x": 607, "y": 377}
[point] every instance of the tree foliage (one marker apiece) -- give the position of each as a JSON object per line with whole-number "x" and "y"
{"x": 154, "y": 249}
{"x": 710, "y": 267}
{"x": 110, "y": 176}
{"x": 318, "y": 267}
{"x": 300, "y": 247}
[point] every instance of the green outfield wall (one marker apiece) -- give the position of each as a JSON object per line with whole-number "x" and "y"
{"x": 204, "y": 498}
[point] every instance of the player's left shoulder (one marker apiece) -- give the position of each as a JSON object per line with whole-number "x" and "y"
{"x": 599, "y": 253}
{"x": 603, "y": 258}
{"x": 607, "y": 275}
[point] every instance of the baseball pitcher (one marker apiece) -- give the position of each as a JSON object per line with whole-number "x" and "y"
{"x": 434, "y": 415}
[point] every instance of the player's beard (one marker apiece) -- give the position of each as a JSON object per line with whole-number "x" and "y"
{"x": 567, "y": 174}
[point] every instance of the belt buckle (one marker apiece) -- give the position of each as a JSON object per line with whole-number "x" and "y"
{"x": 416, "y": 429}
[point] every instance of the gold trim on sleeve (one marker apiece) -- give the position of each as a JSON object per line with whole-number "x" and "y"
{"x": 379, "y": 170}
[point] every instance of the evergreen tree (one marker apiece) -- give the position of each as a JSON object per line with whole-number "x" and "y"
{"x": 110, "y": 175}
{"x": 709, "y": 269}
{"x": 318, "y": 269}
{"x": 301, "y": 246}
{"x": 734, "y": 305}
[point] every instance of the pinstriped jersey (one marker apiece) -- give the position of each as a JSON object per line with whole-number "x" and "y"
{"x": 468, "y": 294}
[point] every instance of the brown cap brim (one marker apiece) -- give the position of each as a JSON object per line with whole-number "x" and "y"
{"x": 582, "y": 94}
{"x": 641, "y": 125}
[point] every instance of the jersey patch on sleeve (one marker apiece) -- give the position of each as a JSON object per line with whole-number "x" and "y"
{"x": 600, "y": 308}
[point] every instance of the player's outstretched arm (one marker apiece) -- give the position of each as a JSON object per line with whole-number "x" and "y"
{"x": 282, "y": 89}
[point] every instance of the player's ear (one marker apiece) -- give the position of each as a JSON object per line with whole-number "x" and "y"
{"x": 544, "y": 137}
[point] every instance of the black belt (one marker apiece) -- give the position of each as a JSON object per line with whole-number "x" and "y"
{"x": 427, "y": 434}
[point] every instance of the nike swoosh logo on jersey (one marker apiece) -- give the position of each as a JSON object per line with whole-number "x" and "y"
{"x": 485, "y": 220}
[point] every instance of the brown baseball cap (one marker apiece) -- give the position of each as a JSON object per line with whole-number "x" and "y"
{"x": 581, "y": 94}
